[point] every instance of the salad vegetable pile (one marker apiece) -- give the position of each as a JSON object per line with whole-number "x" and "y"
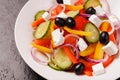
{"x": 76, "y": 36}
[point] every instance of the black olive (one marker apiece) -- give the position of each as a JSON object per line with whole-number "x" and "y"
{"x": 90, "y": 10}
{"x": 104, "y": 37}
{"x": 70, "y": 22}
{"x": 59, "y": 21}
{"x": 59, "y": 1}
{"x": 79, "y": 68}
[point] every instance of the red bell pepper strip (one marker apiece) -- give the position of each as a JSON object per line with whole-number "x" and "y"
{"x": 88, "y": 73}
{"x": 42, "y": 42}
{"x": 70, "y": 54}
{"x": 109, "y": 61}
{"x": 88, "y": 65}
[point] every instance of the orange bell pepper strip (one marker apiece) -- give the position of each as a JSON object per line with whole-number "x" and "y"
{"x": 109, "y": 61}
{"x": 37, "y": 22}
{"x": 105, "y": 26}
{"x": 70, "y": 54}
{"x": 77, "y": 32}
{"x": 42, "y": 48}
{"x": 79, "y": 2}
{"x": 74, "y": 8}
{"x": 42, "y": 42}
{"x": 112, "y": 38}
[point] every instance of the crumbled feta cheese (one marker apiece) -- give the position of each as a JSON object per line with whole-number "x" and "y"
{"x": 58, "y": 37}
{"x": 46, "y": 16}
{"x": 62, "y": 15}
{"x": 95, "y": 20}
{"x": 98, "y": 69}
{"x": 68, "y": 2}
{"x": 82, "y": 44}
{"x": 113, "y": 20}
{"x": 110, "y": 48}
{"x": 99, "y": 11}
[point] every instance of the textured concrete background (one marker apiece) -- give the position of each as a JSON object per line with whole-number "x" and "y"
{"x": 12, "y": 66}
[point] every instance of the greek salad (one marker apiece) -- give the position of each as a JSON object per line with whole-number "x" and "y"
{"x": 77, "y": 36}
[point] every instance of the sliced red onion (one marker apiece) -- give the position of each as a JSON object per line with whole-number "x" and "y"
{"x": 88, "y": 15}
{"x": 72, "y": 35}
{"x": 75, "y": 49}
{"x": 117, "y": 24}
{"x": 40, "y": 57}
{"x": 55, "y": 7}
{"x": 97, "y": 61}
{"x": 105, "y": 6}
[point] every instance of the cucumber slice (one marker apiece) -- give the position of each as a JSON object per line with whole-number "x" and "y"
{"x": 72, "y": 13}
{"x": 52, "y": 65}
{"x": 92, "y": 3}
{"x": 62, "y": 60}
{"x": 42, "y": 30}
{"x": 89, "y": 27}
{"x": 39, "y": 14}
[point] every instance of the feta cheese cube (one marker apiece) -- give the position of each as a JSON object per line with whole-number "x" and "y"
{"x": 62, "y": 15}
{"x": 68, "y": 2}
{"x": 110, "y": 48}
{"x": 99, "y": 11}
{"x": 82, "y": 44}
{"x": 58, "y": 37}
{"x": 113, "y": 20}
{"x": 98, "y": 69}
{"x": 46, "y": 16}
{"x": 95, "y": 20}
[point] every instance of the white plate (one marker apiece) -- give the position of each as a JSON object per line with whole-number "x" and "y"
{"x": 23, "y": 37}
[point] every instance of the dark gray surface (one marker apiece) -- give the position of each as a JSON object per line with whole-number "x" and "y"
{"x": 12, "y": 66}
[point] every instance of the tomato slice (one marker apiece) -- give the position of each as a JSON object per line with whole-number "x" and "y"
{"x": 80, "y": 22}
{"x": 70, "y": 40}
{"x": 56, "y": 10}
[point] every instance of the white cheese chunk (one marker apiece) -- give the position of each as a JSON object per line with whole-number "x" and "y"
{"x": 68, "y": 2}
{"x": 95, "y": 20}
{"x": 110, "y": 48}
{"x": 113, "y": 20}
{"x": 46, "y": 16}
{"x": 62, "y": 15}
{"x": 58, "y": 37}
{"x": 99, "y": 11}
{"x": 82, "y": 44}
{"x": 98, "y": 69}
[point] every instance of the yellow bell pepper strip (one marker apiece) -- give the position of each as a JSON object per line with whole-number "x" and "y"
{"x": 51, "y": 30}
{"x": 99, "y": 53}
{"x": 77, "y": 32}
{"x": 42, "y": 48}
{"x": 74, "y": 8}
{"x": 90, "y": 50}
